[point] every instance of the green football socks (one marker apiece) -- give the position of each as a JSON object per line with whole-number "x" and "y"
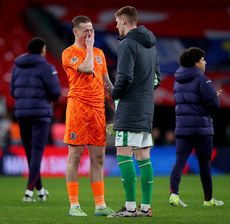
{"x": 146, "y": 173}
{"x": 128, "y": 176}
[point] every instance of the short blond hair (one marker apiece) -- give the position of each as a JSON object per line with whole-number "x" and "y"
{"x": 80, "y": 19}
{"x": 128, "y": 11}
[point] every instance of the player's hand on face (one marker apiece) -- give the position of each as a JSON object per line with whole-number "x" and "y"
{"x": 89, "y": 40}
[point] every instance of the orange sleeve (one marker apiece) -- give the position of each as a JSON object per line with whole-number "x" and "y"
{"x": 71, "y": 58}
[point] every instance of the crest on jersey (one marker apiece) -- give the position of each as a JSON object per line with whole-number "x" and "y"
{"x": 74, "y": 59}
{"x": 99, "y": 60}
{"x": 73, "y": 136}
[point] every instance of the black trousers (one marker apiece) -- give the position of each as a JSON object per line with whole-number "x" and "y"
{"x": 34, "y": 134}
{"x": 203, "y": 146}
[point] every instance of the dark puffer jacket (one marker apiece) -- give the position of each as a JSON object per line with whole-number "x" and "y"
{"x": 34, "y": 83}
{"x": 134, "y": 86}
{"x": 196, "y": 101}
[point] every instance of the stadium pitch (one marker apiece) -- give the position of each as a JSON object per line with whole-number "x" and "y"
{"x": 55, "y": 209}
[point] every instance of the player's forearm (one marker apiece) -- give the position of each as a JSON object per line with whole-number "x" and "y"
{"x": 108, "y": 88}
{"x": 88, "y": 65}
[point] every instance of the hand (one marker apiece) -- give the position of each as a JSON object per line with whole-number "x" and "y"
{"x": 218, "y": 92}
{"x": 109, "y": 130}
{"x": 89, "y": 39}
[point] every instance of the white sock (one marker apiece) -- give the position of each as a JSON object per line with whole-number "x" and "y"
{"x": 130, "y": 205}
{"x": 29, "y": 192}
{"x": 100, "y": 207}
{"x": 72, "y": 206}
{"x": 41, "y": 191}
{"x": 145, "y": 207}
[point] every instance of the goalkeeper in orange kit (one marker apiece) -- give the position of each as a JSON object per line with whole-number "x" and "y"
{"x": 87, "y": 74}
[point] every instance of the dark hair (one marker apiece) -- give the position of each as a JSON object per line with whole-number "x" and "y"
{"x": 80, "y": 19}
{"x": 35, "y": 45}
{"x": 190, "y": 56}
{"x": 130, "y": 12}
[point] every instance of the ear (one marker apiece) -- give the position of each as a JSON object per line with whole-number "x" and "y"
{"x": 196, "y": 64}
{"x": 74, "y": 31}
{"x": 43, "y": 52}
{"x": 124, "y": 20}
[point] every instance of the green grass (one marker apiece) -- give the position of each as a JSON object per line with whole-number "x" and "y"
{"x": 55, "y": 209}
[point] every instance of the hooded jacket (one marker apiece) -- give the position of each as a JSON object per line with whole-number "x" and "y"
{"x": 196, "y": 101}
{"x": 134, "y": 85}
{"x": 34, "y": 83}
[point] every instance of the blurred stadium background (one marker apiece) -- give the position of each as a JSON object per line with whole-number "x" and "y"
{"x": 177, "y": 24}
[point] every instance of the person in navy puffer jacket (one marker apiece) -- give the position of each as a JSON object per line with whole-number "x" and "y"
{"x": 196, "y": 102}
{"x": 34, "y": 84}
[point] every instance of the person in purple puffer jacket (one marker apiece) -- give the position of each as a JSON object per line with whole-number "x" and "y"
{"x": 34, "y": 84}
{"x": 196, "y": 102}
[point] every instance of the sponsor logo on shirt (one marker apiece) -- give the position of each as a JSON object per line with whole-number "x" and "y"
{"x": 74, "y": 59}
{"x": 99, "y": 60}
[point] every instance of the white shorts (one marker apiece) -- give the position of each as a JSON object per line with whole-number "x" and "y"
{"x": 135, "y": 139}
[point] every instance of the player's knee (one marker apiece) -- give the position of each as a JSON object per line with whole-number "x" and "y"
{"x": 98, "y": 159}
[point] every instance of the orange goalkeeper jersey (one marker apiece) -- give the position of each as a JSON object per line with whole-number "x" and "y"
{"x": 88, "y": 89}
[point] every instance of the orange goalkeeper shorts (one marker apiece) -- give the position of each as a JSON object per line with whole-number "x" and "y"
{"x": 85, "y": 125}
